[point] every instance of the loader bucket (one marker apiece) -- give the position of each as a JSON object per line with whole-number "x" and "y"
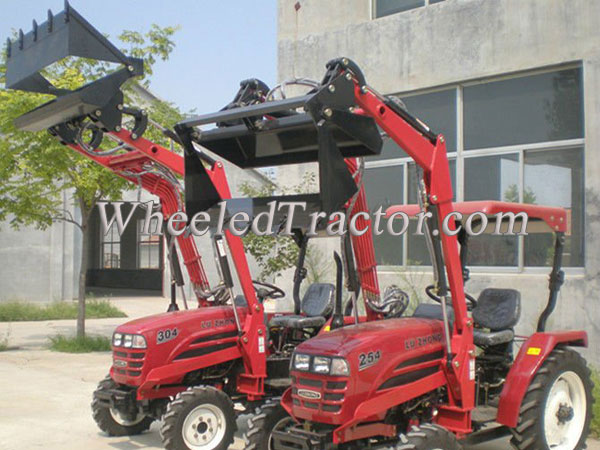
{"x": 62, "y": 35}
{"x": 319, "y": 127}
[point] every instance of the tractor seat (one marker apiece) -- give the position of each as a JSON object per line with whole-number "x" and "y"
{"x": 499, "y": 311}
{"x": 317, "y": 305}
{"x": 434, "y": 311}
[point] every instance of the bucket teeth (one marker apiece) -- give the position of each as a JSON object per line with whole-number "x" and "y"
{"x": 50, "y": 21}
{"x": 8, "y": 45}
{"x": 21, "y": 39}
{"x": 35, "y": 30}
{"x": 67, "y": 10}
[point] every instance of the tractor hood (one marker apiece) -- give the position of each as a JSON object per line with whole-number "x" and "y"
{"x": 392, "y": 335}
{"x": 197, "y": 321}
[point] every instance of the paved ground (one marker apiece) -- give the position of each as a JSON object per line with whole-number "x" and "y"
{"x": 45, "y": 396}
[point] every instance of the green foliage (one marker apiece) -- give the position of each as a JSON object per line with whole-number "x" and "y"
{"x": 274, "y": 254}
{"x": 86, "y": 344}
{"x": 21, "y": 311}
{"x": 512, "y": 195}
{"x": 595, "y": 425}
{"x": 35, "y": 169}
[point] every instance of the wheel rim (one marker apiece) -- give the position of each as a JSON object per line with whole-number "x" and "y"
{"x": 204, "y": 427}
{"x": 565, "y": 412}
{"x": 117, "y": 417}
{"x": 281, "y": 425}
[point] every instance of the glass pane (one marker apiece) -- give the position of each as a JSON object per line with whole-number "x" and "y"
{"x": 435, "y": 1}
{"x": 565, "y": 169}
{"x": 418, "y": 255}
{"x": 438, "y": 111}
{"x": 387, "y": 7}
{"x": 492, "y": 178}
{"x": 384, "y": 187}
{"x": 537, "y": 108}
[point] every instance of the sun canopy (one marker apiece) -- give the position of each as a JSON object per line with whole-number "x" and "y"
{"x": 540, "y": 218}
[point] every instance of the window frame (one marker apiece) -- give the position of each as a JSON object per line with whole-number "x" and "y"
{"x": 140, "y": 239}
{"x": 461, "y": 154}
{"x": 373, "y": 8}
{"x": 111, "y": 244}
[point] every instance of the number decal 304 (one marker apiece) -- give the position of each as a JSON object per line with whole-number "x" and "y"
{"x": 366, "y": 360}
{"x": 166, "y": 335}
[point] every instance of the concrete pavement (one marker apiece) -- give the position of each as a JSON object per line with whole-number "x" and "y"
{"x": 45, "y": 396}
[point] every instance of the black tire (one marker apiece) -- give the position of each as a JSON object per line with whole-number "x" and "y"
{"x": 186, "y": 405}
{"x": 428, "y": 437}
{"x": 530, "y": 430}
{"x": 267, "y": 418}
{"x": 105, "y": 419}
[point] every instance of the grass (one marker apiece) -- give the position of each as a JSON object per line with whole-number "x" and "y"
{"x": 595, "y": 425}
{"x": 17, "y": 311}
{"x": 65, "y": 344}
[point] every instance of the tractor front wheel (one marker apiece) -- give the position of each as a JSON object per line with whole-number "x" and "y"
{"x": 113, "y": 422}
{"x": 201, "y": 418}
{"x": 557, "y": 408}
{"x": 427, "y": 437}
{"x": 268, "y": 418}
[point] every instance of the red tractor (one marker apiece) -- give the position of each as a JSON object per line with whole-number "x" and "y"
{"x": 447, "y": 375}
{"x": 190, "y": 367}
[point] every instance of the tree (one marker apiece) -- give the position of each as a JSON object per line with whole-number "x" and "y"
{"x": 274, "y": 254}
{"x": 35, "y": 169}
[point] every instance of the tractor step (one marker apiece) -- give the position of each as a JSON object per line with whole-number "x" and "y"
{"x": 278, "y": 383}
{"x": 484, "y": 413}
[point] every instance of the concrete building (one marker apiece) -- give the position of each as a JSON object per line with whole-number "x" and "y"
{"x": 514, "y": 85}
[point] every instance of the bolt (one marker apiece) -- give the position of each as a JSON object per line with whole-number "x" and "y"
{"x": 118, "y": 128}
{"x": 98, "y": 113}
{"x": 562, "y": 219}
{"x": 551, "y": 217}
{"x": 331, "y": 88}
{"x": 245, "y": 340}
{"x": 130, "y": 68}
{"x": 471, "y": 352}
{"x": 456, "y": 364}
{"x": 348, "y": 76}
{"x": 144, "y": 112}
{"x": 469, "y": 322}
{"x": 257, "y": 308}
{"x": 442, "y": 139}
{"x": 434, "y": 198}
{"x": 260, "y": 332}
{"x": 134, "y": 136}
{"x": 327, "y": 112}
{"x": 345, "y": 61}
{"x": 120, "y": 107}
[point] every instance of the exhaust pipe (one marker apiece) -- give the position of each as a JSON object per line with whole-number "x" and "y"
{"x": 337, "y": 320}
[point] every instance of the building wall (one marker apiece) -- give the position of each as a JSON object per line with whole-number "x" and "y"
{"x": 466, "y": 40}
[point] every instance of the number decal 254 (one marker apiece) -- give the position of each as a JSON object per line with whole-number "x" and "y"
{"x": 368, "y": 359}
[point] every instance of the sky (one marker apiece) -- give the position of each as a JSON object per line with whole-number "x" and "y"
{"x": 220, "y": 43}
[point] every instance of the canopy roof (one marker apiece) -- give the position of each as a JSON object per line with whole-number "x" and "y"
{"x": 551, "y": 218}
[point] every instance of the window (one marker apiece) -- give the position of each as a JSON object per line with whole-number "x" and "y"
{"x": 148, "y": 247}
{"x": 111, "y": 249}
{"x": 514, "y": 135}
{"x": 385, "y": 187}
{"x": 387, "y": 7}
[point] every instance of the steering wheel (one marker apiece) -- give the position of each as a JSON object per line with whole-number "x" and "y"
{"x": 264, "y": 290}
{"x": 471, "y": 302}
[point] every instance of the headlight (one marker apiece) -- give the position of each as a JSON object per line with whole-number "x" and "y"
{"x": 128, "y": 340}
{"x": 139, "y": 341}
{"x": 340, "y": 367}
{"x": 117, "y": 339}
{"x": 321, "y": 364}
{"x": 302, "y": 362}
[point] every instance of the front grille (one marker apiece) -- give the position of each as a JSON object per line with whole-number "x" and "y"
{"x": 331, "y": 394}
{"x": 122, "y": 361}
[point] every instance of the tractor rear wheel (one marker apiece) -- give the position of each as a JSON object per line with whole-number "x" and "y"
{"x": 557, "y": 407}
{"x": 111, "y": 421}
{"x": 268, "y": 418}
{"x": 428, "y": 437}
{"x": 201, "y": 418}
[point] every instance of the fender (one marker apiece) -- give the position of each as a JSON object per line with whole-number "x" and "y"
{"x": 531, "y": 356}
